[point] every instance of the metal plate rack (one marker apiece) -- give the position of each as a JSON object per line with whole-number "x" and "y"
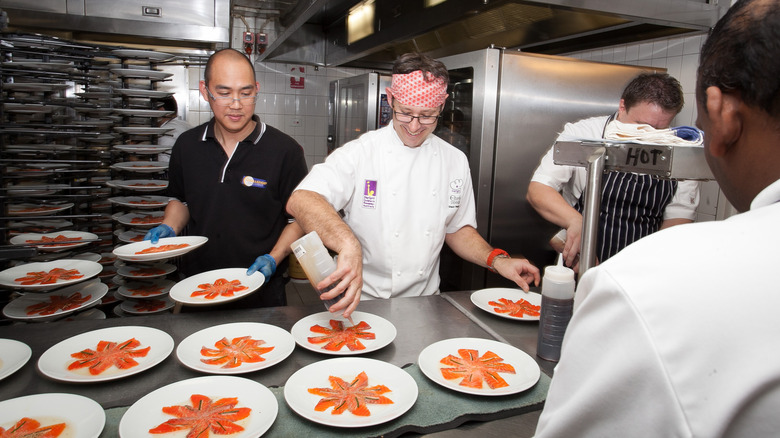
{"x": 70, "y": 116}
{"x": 661, "y": 161}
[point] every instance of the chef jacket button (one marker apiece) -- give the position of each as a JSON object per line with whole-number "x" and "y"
{"x": 427, "y": 233}
{"x": 420, "y": 272}
{"x": 434, "y": 193}
{"x": 393, "y": 193}
{"x": 398, "y": 274}
{"x": 397, "y": 234}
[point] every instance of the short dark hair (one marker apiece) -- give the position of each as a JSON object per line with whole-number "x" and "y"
{"x": 742, "y": 54}
{"x": 410, "y": 62}
{"x": 210, "y": 62}
{"x": 657, "y": 88}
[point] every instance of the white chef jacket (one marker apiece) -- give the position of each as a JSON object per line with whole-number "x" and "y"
{"x": 399, "y": 202}
{"x": 571, "y": 180}
{"x": 676, "y": 336}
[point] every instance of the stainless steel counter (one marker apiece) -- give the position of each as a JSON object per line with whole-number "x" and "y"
{"x": 419, "y": 322}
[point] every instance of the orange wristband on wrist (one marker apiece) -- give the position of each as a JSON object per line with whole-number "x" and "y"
{"x": 496, "y": 253}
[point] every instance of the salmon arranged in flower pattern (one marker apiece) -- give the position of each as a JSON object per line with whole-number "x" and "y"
{"x": 146, "y": 290}
{"x": 31, "y": 428}
{"x": 221, "y": 287}
{"x": 35, "y": 209}
{"x": 473, "y": 369}
{"x": 145, "y": 202}
{"x": 162, "y": 248}
{"x": 50, "y": 277}
{"x": 147, "y": 272}
{"x": 54, "y": 241}
{"x": 149, "y": 305}
{"x": 353, "y": 397}
{"x": 338, "y": 336}
{"x": 515, "y": 308}
{"x": 57, "y": 302}
{"x": 146, "y": 220}
{"x": 231, "y": 354}
{"x": 107, "y": 354}
{"x": 204, "y": 416}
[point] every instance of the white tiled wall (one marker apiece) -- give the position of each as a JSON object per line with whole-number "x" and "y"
{"x": 680, "y": 57}
{"x": 300, "y": 113}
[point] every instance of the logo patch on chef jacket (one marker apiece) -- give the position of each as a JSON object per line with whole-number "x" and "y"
{"x": 250, "y": 181}
{"x": 456, "y": 188}
{"x": 369, "y": 194}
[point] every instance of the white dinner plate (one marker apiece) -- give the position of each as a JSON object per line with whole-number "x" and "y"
{"x": 150, "y": 219}
{"x": 146, "y": 413}
{"x": 383, "y": 330}
{"x": 30, "y": 188}
{"x": 183, "y": 290}
{"x": 142, "y": 54}
{"x": 131, "y": 252}
{"x": 142, "y": 130}
{"x": 89, "y": 293}
{"x": 140, "y": 112}
{"x": 141, "y": 74}
{"x": 137, "y": 92}
{"x": 86, "y": 270}
{"x": 140, "y": 185}
{"x": 44, "y": 243}
{"x": 141, "y": 166}
{"x": 33, "y": 87}
{"x": 483, "y": 297}
{"x": 147, "y": 201}
{"x": 89, "y": 256}
{"x": 54, "y": 362}
{"x": 28, "y": 209}
{"x": 41, "y": 65}
{"x": 145, "y": 289}
{"x": 131, "y": 236}
{"x": 143, "y": 149}
{"x": 189, "y": 350}
{"x": 83, "y": 417}
{"x": 526, "y": 369}
{"x": 145, "y": 271}
{"x": 13, "y": 355}
{"x": 147, "y": 306}
{"x": 403, "y": 390}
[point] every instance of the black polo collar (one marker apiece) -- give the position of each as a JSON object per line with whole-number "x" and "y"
{"x": 253, "y": 137}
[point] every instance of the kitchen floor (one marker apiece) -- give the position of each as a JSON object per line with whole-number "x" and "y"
{"x": 301, "y": 293}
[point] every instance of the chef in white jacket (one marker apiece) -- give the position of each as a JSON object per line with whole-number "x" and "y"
{"x": 404, "y": 192}
{"x": 676, "y": 336}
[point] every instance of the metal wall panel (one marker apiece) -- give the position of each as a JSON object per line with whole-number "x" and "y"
{"x": 538, "y": 94}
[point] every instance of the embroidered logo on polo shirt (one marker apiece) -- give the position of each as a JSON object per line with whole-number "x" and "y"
{"x": 456, "y": 188}
{"x": 369, "y": 194}
{"x": 254, "y": 182}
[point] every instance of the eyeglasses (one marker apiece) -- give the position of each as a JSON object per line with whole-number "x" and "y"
{"x": 228, "y": 100}
{"x": 424, "y": 120}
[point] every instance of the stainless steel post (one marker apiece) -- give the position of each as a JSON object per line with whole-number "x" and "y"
{"x": 590, "y": 214}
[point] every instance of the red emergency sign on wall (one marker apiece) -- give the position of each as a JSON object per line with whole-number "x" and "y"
{"x": 297, "y": 79}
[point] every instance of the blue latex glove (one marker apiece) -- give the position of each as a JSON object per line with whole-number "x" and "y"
{"x": 265, "y": 264}
{"x": 158, "y": 232}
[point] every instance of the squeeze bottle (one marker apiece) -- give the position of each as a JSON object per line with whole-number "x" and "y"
{"x": 316, "y": 262}
{"x": 557, "y": 303}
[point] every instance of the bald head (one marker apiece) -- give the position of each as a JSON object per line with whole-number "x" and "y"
{"x": 225, "y": 55}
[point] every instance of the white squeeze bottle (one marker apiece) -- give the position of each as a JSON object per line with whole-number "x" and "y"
{"x": 316, "y": 262}
{"x": 557, "y": 303}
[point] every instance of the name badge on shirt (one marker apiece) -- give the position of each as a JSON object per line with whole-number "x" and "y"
{"x": 456, "y": 188}
{"x": 369, "y": 194}
{"x": 250, "y": 181}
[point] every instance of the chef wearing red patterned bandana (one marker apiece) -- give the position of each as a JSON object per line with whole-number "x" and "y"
{"x": 403, "y": 192}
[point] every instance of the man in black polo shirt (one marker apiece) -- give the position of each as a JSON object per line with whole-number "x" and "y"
{"x": 230, "y": 179}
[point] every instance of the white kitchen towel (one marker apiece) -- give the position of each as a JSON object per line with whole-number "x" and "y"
{"x": 641, "y": 133}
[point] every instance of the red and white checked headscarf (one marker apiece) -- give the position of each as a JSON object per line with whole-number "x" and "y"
{"x": 412, "y": 89}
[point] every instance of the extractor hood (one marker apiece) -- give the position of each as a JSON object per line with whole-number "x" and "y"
{"x": 186, "y": 23}
{"x": 316, "y": 32}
